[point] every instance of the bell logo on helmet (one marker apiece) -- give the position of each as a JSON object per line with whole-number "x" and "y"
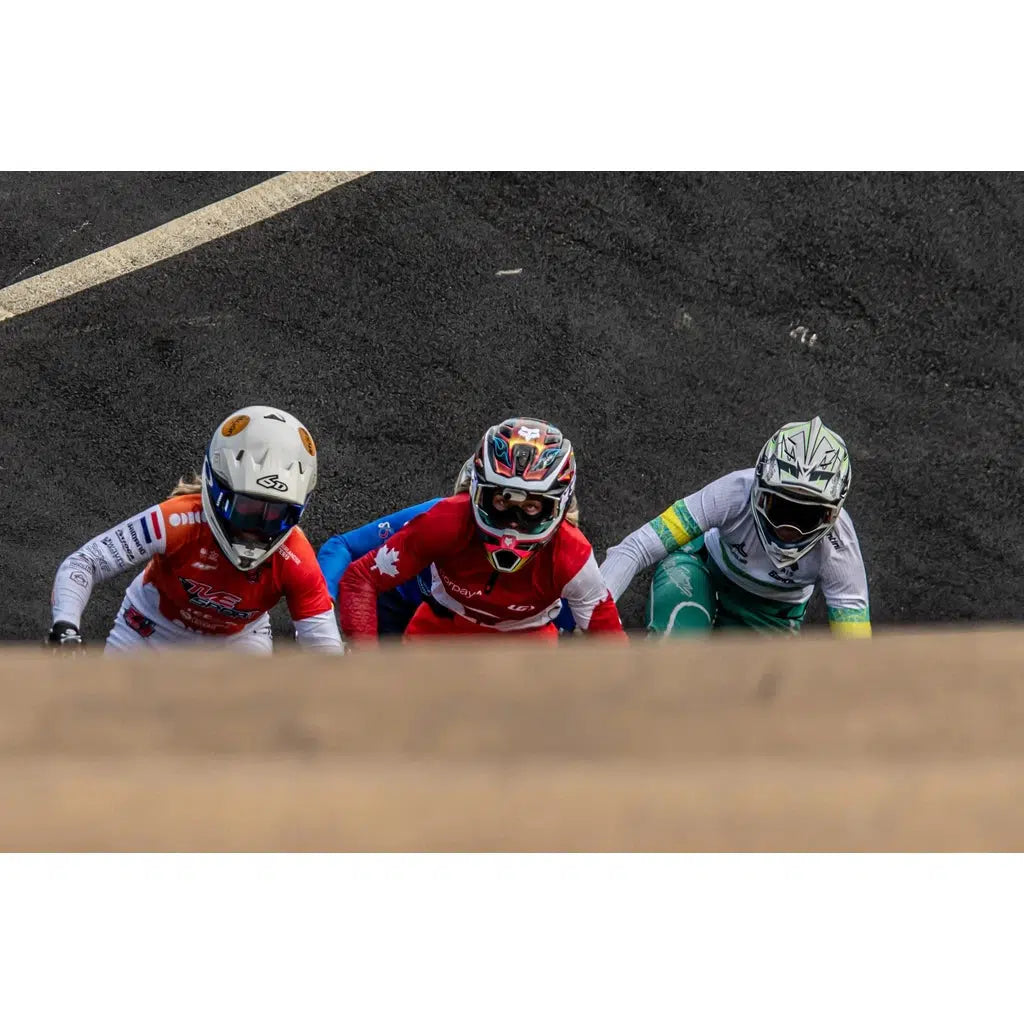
{"x": 272, "y": 482}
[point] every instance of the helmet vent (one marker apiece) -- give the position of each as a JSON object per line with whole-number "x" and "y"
{"x": 239, "y": 454}
{"x": 523, "y": 455}
{"x": 274, "y": 416}
{"x": 506, "y": 560}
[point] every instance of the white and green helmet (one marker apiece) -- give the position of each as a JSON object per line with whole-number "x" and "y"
{"x": 801, "y": 480}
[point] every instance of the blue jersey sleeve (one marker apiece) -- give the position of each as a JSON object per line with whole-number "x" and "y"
{"x": 336, "y": 553}
{"x": 565, "y": 621}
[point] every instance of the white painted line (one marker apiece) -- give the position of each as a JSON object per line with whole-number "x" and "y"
{"x": 228, "y": 215}
{"x": 504, "y": 273}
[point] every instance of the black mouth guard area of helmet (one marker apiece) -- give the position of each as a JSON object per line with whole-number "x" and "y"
{"x": 804, "y": 517}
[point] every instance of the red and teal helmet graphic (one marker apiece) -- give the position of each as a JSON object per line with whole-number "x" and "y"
{"x": 533, "y": 452}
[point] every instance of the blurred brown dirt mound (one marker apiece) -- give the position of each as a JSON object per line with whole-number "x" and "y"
{"x": 910, "y": 742}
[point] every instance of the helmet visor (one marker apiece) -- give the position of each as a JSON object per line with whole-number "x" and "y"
{"x": 247, "y": 519}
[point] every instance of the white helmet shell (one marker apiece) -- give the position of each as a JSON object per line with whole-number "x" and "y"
{"x": 259, "y": 472}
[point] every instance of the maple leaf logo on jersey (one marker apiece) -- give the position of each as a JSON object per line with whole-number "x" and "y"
{"x": 386, "y": 561}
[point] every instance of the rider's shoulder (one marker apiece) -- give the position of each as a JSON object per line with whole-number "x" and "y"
{"x": 730, "y": 488}
{"x": 844, "y": 536}
{"x": 295, "y": 559}
{"x": 448, "y": 517}
{"x": 186, "y": 505}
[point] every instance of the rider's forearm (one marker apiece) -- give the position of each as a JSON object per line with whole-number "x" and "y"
{"x": 129, "y": 545}
{"x": 72, "y": 588}
{"x": 640, "y": 550}
{"x": 319, "y": 633}
{"x": 853, "y": 622}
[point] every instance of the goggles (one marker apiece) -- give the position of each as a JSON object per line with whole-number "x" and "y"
{"x": 802, "y": 518}
{"x": 243, "y": 514}
{"x": 509, "y": 509}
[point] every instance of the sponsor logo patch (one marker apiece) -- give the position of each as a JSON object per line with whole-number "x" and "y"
{"x": 135, "y": 538}
{"x": 125, "y": 546}
{"x": 458, "y": 588}
{"x": 234, "y": 426}
{"x": 739, "y": 550}
{"x": 185, "y": 518}
{"x": 202, "y": 595}
{"x": 271, "y": 481}
{"x": 137, "y": 621}
{"x": 110, "y": 546}
{"x": 307, "y": 441}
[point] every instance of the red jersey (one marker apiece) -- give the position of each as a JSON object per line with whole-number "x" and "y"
{"x": 465, "y": 583}
{"x": 200, "y": 588}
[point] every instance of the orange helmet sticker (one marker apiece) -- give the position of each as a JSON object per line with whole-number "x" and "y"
{"x": 235, "y": 425}
{"x": 307, "y": 441}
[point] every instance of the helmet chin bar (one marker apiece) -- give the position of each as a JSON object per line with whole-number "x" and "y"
{"x": 244, "y": 557}
{"x": 507, "y": 553}
{"x": 249, "y": 556}
{"x": 784, "y": 555}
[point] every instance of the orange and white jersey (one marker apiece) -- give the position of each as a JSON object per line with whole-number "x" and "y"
{"x": 189, "y": 585}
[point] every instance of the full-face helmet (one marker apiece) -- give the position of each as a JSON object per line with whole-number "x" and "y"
{"x": 522, "y": 482}
{"x": 258, "y": 475}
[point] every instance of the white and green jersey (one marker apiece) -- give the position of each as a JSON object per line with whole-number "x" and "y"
{"x": 721, "y": 513}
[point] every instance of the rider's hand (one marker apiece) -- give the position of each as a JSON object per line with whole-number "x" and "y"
{"x": 65, "y": 637}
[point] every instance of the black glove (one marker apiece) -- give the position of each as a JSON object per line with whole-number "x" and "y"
{"x": 65, "y": 636}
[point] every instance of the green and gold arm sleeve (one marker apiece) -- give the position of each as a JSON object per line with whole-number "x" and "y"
{"x": 675, "y": 526}
{"x": 850, "y": 622}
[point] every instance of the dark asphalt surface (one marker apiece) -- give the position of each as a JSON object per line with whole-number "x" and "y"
{"x": 651, "y": 321}
{"x": 53, "y": 218}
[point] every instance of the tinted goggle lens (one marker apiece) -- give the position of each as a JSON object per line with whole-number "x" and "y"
{"x": 805, "y": 518}
{"x": 242, "y": 513}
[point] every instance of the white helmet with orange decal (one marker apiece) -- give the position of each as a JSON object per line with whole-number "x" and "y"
{"x": 258, "y": 475}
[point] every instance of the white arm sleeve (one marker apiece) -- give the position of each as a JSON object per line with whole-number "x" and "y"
{"x": 844, "y": 581}
{"x": 586, "y": 592}
{"x": 641, "y": 549}
{"x": 129, "y": 545}
{"x": 320, "y": 633}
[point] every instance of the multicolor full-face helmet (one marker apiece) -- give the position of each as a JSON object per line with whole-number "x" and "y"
{"x": 522, "y": 482}
{"x": 801, "y": 481}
